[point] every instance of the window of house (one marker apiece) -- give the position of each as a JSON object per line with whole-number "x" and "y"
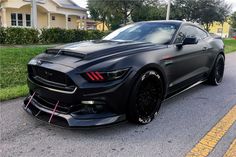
{"x": 53, "y": 18}
{"x": 20, "y": 19}
{"x": 69, "y": 19}
{"x": 28, "y": 20}
{"x": 16, "y": 19}
{"x": 13, "y": 19}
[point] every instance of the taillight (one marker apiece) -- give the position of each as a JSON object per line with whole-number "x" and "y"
{"x": 104, "y": 76}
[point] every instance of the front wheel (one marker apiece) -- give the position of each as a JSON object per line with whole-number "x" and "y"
{"x": 217, "y": 72}
{"x": 146, "y": 98}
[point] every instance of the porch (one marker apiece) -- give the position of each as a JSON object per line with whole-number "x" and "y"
{"x": 21, "y": 17}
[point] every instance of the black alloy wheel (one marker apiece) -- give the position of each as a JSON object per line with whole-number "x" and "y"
{"x": 146, "y": 98}
{"x": 217, "y": 73}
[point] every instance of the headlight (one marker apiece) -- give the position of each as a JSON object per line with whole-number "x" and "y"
{"x": 96, "y": 76}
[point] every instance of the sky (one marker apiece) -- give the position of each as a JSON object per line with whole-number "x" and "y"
{"x": 83, "y": 3}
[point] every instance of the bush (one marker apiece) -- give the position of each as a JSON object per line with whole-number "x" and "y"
{"x": 20, "y": 36}
{"x": 58, "y": 35}
{"x": 15, "y": 35}
{"x": 2, "y": 35}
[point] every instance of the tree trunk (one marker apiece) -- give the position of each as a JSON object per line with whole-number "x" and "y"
{"x": 103, "y": 25}
{"x": 207, "y": 27}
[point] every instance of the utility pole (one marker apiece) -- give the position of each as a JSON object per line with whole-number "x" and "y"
{"x": 34, "y": 13}
{"x": 168, "y": 10}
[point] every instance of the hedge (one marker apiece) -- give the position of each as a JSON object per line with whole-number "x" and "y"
{"x": 20, "y": 36}
{"x": 15, "y": 35}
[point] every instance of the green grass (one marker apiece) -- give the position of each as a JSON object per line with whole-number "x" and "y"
{"x": 13, "y": 70}
{"x": 230, "y": 45}
{"x": 13, "y": 92}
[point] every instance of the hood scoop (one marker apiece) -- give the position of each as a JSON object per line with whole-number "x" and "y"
{"x": 65, "y": 52}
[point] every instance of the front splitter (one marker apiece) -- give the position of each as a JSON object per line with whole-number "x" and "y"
{"x": 67, "y": 120}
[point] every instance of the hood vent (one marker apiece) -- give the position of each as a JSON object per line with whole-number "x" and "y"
{"x": 65, "y": 52}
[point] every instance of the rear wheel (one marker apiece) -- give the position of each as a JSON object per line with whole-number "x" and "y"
{"x": 146, "y": 98}
{"x": 217, "y": 73}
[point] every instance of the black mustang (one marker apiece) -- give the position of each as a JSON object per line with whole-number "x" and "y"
{"x": 126, "y": 75}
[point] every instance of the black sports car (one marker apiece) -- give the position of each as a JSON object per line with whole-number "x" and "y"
{"x": 126, "y": 75}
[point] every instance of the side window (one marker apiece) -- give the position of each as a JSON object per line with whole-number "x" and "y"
{"x": 202, "y": 34}
{"x": 190, "y": 31}
{"x": 186, "y": 31}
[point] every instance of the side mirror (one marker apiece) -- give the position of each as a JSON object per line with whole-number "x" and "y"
{"x": 190, "y": 41}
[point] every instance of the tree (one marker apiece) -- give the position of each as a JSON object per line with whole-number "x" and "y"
{"x": 99, "y": 11}
{"x": 124, "y": 7}
{"x": 149, "y": 10}
{"x": 213, "y": 11}
{"x": 205, "y": 12}
{"x": 233, "y": 20}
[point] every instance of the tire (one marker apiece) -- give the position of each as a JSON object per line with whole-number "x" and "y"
{"x": 146, "y": 98}
{"x": 217, "y": 73}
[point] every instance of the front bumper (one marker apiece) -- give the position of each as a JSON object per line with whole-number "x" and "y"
{"x": 71, "y": 119}
{"x": 109, "y": 105}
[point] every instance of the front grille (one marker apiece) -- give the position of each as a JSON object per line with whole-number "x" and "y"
{"x": 50, "y": 75}
{"x": 50, "y": 78}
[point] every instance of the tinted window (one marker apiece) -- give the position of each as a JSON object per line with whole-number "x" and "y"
{"x": 186, "y": 31}
{"x": 202, "y": 34}
{"x": 154, "y": 32}
{"x": 190, "y": 31}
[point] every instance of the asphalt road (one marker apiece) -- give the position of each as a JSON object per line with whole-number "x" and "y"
{"x": 181, "y": 123}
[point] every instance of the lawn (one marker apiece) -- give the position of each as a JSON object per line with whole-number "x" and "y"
{"x": 230, "y": 45}
{"x": 13, "y": 70}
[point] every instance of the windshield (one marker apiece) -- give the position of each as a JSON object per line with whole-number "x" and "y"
{"x": 157, "y": 33}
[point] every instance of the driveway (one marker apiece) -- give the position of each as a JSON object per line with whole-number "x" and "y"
{"x": 182, "y": 122}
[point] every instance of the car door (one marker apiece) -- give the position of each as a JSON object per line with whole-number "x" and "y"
{"x": 188, "y": 63}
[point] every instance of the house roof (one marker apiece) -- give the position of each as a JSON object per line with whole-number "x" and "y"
{"x": 69, "y": 4}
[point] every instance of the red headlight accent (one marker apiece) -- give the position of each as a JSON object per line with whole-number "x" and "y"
{"x": 99, "y": 75}
{"x": 95, "y": 76}
{"x": 90, "y": 76}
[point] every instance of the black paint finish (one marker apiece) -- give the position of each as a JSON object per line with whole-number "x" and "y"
{"x": 60, "y": 78}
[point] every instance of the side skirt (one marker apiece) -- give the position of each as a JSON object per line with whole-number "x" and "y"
{"x": 195, "y": 84}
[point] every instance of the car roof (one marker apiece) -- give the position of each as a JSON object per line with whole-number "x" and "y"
{"x": 163, "y": 21}
{"x": 174, "y": 22}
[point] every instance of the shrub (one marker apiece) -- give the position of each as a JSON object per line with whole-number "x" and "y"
{"x": 15, "y": 35}
{"x": 58, "y": 35}
{"x": 52, "y": 35}
{"x": 92, "y": 35}
{"x": 2, "y": 35}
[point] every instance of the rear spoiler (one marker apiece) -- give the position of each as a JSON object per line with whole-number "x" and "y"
{"x": 216, "y": 36}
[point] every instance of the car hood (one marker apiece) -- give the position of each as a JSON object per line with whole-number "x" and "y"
{"x": 72, "y": 54}
{"x": 99, "y": 48}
